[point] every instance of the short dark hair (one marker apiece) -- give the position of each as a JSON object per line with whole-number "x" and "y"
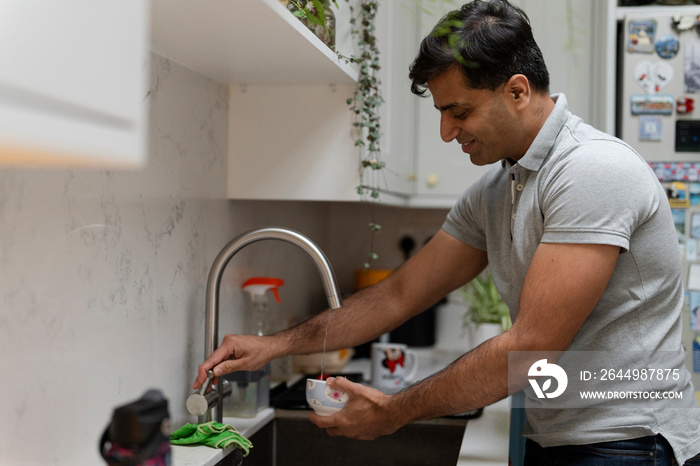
{"x": 490, "y": 41}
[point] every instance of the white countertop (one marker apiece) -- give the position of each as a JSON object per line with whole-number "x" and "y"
{"x": 201, "y": 455}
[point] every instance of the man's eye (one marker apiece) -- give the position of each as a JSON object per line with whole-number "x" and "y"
{"x": 461, "y": 116}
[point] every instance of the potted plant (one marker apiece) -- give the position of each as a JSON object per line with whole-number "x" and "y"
{"x": 486, "y": 313}
{"x": 318, "y": 16}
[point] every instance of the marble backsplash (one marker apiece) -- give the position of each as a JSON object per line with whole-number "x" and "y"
{"x": 102, "y": 275}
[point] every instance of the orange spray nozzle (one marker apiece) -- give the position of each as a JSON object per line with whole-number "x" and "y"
{"x": 260, "y": 285}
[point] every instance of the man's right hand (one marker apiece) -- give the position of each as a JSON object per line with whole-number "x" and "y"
{"x": 236, "y": 353}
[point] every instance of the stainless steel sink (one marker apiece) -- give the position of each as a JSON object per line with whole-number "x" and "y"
{"x": 291, "y": 439}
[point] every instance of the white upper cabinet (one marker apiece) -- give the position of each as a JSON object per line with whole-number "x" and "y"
{"x": 397, "y": 42}
{"x": 442, "y": 170}
{"x": 73, "y": 82}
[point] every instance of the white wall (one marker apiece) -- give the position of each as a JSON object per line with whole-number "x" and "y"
{"x": 102, "y": 275}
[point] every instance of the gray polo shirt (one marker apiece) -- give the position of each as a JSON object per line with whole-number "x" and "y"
{"x": 576, "y": 184}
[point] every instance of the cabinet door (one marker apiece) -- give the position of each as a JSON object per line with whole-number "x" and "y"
{"x": 443, "y": 171}
{"x": 73, "y": 81}
{"x": 564, "y": 32}
{"x": 398, "y": 43}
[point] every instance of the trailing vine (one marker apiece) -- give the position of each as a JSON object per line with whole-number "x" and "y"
{"x": 365, "y": 105}
{"x": 367, "y": 98}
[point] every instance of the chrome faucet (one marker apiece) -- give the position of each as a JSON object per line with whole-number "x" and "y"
{"x": 211, "y": 335}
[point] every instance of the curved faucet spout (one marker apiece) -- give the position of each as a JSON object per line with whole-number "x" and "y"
{"x": 211, "y": 337}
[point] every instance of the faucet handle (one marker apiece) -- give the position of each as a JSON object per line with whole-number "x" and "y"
{"x": 200, "y": 402}
{"x": 205, "y": 385}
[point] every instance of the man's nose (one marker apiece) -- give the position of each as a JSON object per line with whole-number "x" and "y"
{"x": 448, "y": 130}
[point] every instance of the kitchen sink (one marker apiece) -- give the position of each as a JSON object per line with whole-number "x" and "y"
{"x": 291, "y": 439}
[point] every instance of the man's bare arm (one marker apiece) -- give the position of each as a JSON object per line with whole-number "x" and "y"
{"x": 563, "y": 285}
{"x": 439, "y": 267}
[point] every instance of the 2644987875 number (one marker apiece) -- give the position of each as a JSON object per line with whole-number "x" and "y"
{"x": 640, "y": 374}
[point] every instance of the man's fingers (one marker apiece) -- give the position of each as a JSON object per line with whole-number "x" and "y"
{"x": 201, "y": 377}
{"x": 324, "y": 422}
{"x": 214, "y": 359}
{"x": 341, "y": 384}
{"x": 226, "y": 367}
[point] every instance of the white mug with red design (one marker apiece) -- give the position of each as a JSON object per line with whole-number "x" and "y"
{"x": 393, "y": 365}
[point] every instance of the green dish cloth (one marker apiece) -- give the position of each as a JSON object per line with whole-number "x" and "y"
{"x": 213, "y": 434}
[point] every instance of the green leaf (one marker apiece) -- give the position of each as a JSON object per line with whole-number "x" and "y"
{"x": 485, "y": 304}
{"x": 320, "y": 11}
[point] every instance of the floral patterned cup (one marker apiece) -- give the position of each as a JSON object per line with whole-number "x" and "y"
{"x": 323, "y": 399}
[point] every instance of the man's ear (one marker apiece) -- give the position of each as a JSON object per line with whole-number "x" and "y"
{"x": 518, "y": 90}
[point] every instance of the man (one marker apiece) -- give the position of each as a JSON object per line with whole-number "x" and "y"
{"x": 575, "y": 229}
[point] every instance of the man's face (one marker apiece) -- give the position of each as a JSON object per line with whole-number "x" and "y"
{"x": 478, "y": 119}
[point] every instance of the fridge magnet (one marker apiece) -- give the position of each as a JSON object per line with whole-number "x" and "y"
{"x": 695, "y": 225}
{"x": 679, "y": 222}
{"x": 676, "y": 171}
{"x": 694, "y": 190}
{"x": 667, "y": 46}
{"x": 677, "y": 193}
{"x": 691, "y": 253}
{"x": 652, "y": 77}
{"x": 691, "y": 65}
{"x": 681, "y": 23}
{"x": 641, "y": 36}
{"x": 685, "y": 105}
{"x": 650, "y": 128}
{"x": 694, "y": 278}
{"x": 694, "y": 305}
{"x": 651, "y": 104}
{"x": 696, "y": 353}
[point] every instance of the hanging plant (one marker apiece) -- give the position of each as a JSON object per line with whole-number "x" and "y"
{"x": 367, "y": 98}
{"x": 365, "y": 104}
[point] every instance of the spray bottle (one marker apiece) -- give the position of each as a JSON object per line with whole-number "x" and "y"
{"x": 251, "y": 389}
{"x": 257, "y": 288}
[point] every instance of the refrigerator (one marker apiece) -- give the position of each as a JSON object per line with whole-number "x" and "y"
{"x": 658, "y": 113}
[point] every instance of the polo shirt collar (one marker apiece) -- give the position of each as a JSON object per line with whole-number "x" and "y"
{"x": 545, "y": 139}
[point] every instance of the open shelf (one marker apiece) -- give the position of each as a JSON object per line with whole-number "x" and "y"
{"x": 245, "y": 42}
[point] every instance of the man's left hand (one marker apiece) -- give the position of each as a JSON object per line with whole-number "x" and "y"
{"x": 366, "y": 416}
